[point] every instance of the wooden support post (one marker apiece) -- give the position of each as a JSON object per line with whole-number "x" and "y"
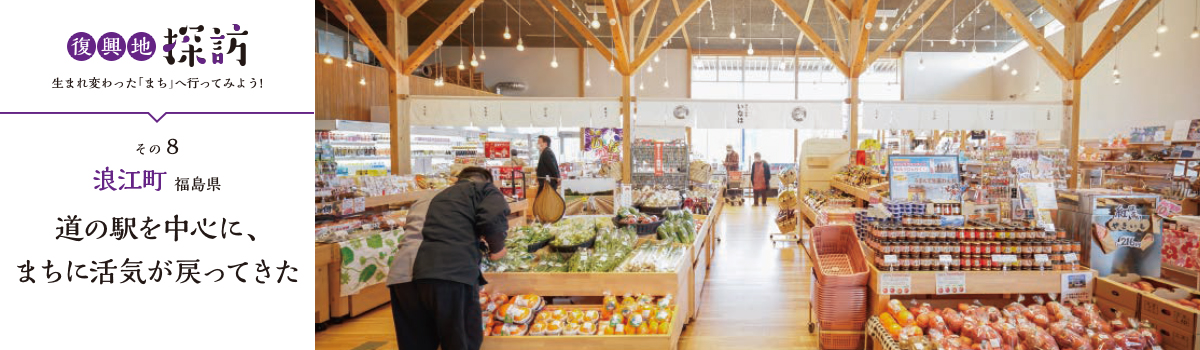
{"x": 398, "y": 88}
{"x": 1073, "y": 53}
{"x": 853, "y": 101}
{"x": 582, "y": 71}
{"x": 627, "y": 129}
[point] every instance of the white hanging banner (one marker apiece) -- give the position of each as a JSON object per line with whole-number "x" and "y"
{"x": 545, "y": 114}
{"x": 1019, "y": 117}
{"x": 423, "y": 112}
{"x": 933, "y": 117}
{"x": 516, "y": 113}
{"x": 897, "y": 116}
{"x": 453, "y": 113}
{"x": 680, "y": 114}
{"x": 766, "y": 115}
{"x": 651, "y": 114}
{"x": 709, "y": 115}
{"x": 575, "y": 114}
{"x": 797, "y": 116}
{"x": 1048, "y": 117}
{"x": 963, "y": 117}
{"x": 738, "y": 115}
{"x": 485, "y": 113}
{"x": 828, "y": 116}
{"x": 992, "y": 117}
{"x": 606, "y": 114}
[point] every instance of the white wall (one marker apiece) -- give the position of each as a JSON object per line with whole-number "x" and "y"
{"x": 947, "y": 76}
{"x": 1153, "y": 91}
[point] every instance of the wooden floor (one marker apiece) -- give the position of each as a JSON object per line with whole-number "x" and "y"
{"x": 756, "y": 296}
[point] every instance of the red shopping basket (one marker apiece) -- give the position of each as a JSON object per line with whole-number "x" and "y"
{"x": 838, "y": 258}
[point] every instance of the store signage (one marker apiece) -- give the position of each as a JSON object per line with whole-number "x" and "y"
{"x": 1166, "y": 208}
{"x": 924, "y": 178}
{"x": 891, "y": 260}
{"x": 799, "y": 114}
{"x": 1041, "y": 259}
{"x": 743, "y": 114}
{"x": 432, "y": 140}
{"x": 497, "y": 150}
{"x": 895, "y": 283}
{"x": 658, "y": 158}
{"x": 951, "y": 283}
{"x": 1077, "y": 287}
{"x": 681, "y": 112}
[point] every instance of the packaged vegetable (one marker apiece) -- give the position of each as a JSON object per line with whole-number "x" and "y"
{"x": 954, "y": 320}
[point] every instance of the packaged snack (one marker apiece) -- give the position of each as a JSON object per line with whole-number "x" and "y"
{"x": 554, "y": 328}
{"x": 588, "y": 328}
{"x": 571, "y": 329}
{"x": 537, "y": 329}
{"x": 591, "y": 316}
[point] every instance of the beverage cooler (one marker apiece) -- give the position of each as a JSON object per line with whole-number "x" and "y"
{"x": 1118, "y": 228}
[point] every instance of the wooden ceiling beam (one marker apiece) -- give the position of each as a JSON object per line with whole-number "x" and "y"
{"x": 389, "y": 6}
{"x": 839, "y": 37}
{"x": 687, "y": 41}
{"x": 634, "y": 7}
{"x": 1064, "y": 14}
{"x": 1109, "y": 38}
{"x": 669, "y": 32}
{"x": 898, "y": 31}
{"x": 862, "y": 35}
{"x": 917, "y": 36}
{"x": 807, "y": 14}
{"x": 770, "y": 53}
{"x": 363, "y": 31}
{"x": 583, "y": 30}
{"x": 435, "y": 22}
{"x": 551, "y": 12}
{"x": 647, "y": 23}
{"x": 408, "y": 7}
{"x": 1037, "y": 41}
{"x": 812, "y": 35}
{"x": 620, "y": 45}
{"x": 1086, "y": 9}
{"x": 447, "y": 27}
{"x": 841, "y": 8}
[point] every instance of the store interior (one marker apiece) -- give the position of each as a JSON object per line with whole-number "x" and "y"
{"x": 943, "y": 174}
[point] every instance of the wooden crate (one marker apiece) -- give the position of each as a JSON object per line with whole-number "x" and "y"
{"x": 1119, "y": 294}
{"x": 1109, "y": 308}
{"x": 369, "y": 298}
{"x": 986, "y": 282}
{"x": 1177, "y": 338}
{"x": 696, "y": 284}
{"x": 324, "y": 255}
{"x": 588, "y": 342}
{"x": 339, "y": 306}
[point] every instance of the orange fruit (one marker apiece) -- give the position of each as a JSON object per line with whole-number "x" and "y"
{"x": 904, "y": 318}
{"x": 664, "y": 328}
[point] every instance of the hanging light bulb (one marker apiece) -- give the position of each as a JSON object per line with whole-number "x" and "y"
{"x": 349, "y": 62}
{"x": 1117, "y": 80}
{"x": 921, "y": 64}
{"x": 783, "y": 65}
{"x": 587, "y": 82}
{"x": 612, "y": 66}
{"x": 328, "y": 59}
{"x": 953, "y": 39}
{"x": 595, "y": 21}
{"x": 474, "y": 62}
{"x": 1005, "y": 66}
{"x": 1157, "y": 52}
{"x": 650, "y": 69}
{"x": 655, "y": 58}
{"x": 482, "y": 55}
{"x": 1014, "y": 72}
{"x": 554, "y": 62}
{"x": 666, "y": 83}
{"x": 732, "y": 32}
{"x": 974, "y": 52}
{"x": 1115, "y": 71}
{"x": 883, "y": 26}
{"x": 642, "y": 85}
{"x": 1037, "y": 86}
{"x": 1162, "y": 26}
{"x": 1195, "y": 32}
{"x": 750, "y": 51}
{"x": 507, "y": 35}
{"x": 461, "y": 66}
{"x": 362, "y": 81}
{"x": 520, "y": 45}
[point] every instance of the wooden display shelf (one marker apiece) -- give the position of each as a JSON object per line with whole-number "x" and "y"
{"x": 986, "y": 282}
{"x": 1139, "y": 176}
{"x": 807, "y": 211}
{"x": 324, "y": 257}
{"x": 1127, "y": 161}
{"x": 397, "y": 199}
{"x": 591, "y": 342}
{"x": 863, "y": 193}
{"x": 1182, "y": 159}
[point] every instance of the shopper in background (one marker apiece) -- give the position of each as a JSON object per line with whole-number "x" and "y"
{"x": 760, "y": 177}
{"x": 435, "y": 278}
{"x": 547, "y": 164}
{"x": 731, "y": 159}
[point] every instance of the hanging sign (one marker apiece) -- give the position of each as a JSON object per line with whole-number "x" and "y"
{"x": 497, "y": 150}
{"x": 658, "y": 158}
{"x": 1166, "y": 208}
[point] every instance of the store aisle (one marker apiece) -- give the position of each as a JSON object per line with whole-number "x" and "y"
{"x": 756, "y": 296}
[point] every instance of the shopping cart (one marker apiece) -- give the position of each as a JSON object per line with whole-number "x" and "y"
{"x": 733, "y": 188}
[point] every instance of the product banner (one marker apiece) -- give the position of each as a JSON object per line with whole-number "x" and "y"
{"x": 485, "y": 113}
{"x": 962, "y": 116}
{"x": 545, "y": 114}
{"x": 516, "y": 114}
{"x": 919, "y": 178}
{"x": 575, "y": 115}
{"x": 606, "y": 114}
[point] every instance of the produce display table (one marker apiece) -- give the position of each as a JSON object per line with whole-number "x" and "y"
{"x": 862, "y": 193}
{"x": 986, "y": 282}
{"x": 324, "y": 259}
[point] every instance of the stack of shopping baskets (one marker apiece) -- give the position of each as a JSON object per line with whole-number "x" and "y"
{"x": 839, "y": 288}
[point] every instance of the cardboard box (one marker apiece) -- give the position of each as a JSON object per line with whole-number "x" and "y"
{"x": 1118, "y": 294}
{"x": 1109, "y": 309}
{"x": 1168, "y": 313}
{"x": 1177, "y": 339}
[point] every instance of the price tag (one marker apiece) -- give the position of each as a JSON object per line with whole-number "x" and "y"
{"x": 951, "y": 283}
{"x": 891, "y": 260}
{"x": 1041, "y": 259}
{"x": 1071, "y": 258}
{"x": 1004, "y": 258}
{"x": 945, "y": 259}
{"x": 360, "y": 204}
{"x": 895, "y": 283}
{"x": 995, "y": 343}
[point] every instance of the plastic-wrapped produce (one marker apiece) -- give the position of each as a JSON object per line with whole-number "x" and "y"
{"x": 1065, "y": 338}
{"x": 953, "y": 319}
{"x": 653, "y": 256}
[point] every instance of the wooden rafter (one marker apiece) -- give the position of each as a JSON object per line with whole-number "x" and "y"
{"x": 667, "y": 33}
{"x": 435, "y": 21}
{"x": 551, "y": 12}
{"x": 1109, "y": 38}
{"x": 451, "y": 22}
{"x": 583, "y": 30}
{"x": 359, "y": 27}
{"x": 687, "y": 41}
{"x": 917, "y": 36}
{"x": 839, "y": 36}
{"x": 1086, "y": 9}
{"x": 899, "y": 31}
{"x": 389, "y": 6}
{"x": 862, "y": 34}
{"x": 812, "y": 35}
{"x": 770, "y": 52}
{"x": 638, "y": 5}
{"x": 408, "y": 7}
{"x": 807, "y": 14}
{"x": 647, "y": 23}
{"x": 1037, "y": 41}
{"x": 840, "y": 7}
{"x": 1064, "y": 14}
{"x": 618, "y": 33}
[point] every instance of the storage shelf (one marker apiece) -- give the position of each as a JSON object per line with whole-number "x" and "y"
{"x": 808, "y": 212}
{"x": 857, "y": 192}
{"x": 1139, "y": 176}
{"x": 1128, "y": 161}
{"x": 401, "y": 198}
{"x": 986, "y": 282}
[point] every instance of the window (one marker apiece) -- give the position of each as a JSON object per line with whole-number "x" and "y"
{"x": 788, "y": 78}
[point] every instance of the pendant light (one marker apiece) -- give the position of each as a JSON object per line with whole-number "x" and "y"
{"x": 553, "y": 43}
{"x": 1162, "y": 28}
{"x": 1005, "y": 66}
{"x": 1037, "y": 86}
{"x": 507, "y": 35}
{"x": 883, "y": 26}
{"x": 641, "y": 85}
{"x": 650, "y": 68}
{"x": 349, "y": 53}
{"x": 1014, "y": 72}
{"x": 667, "y": 82}
{"x": 954, "y": 19}
{"x": 328, "y": 59}
{"x": 461, "y": 66}
{"x": 921, "y": 61}
{"x": 750, "y": 51}
{"x": 595, "y": 20}
{"x": 474, "y": 60}
{"x": 1196, "y": 21}
{"x": 587, "y": 70}
{"x": 520, "y": 41}
{"x": 732, "y": 32}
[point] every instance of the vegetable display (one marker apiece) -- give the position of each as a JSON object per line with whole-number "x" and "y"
{"x": 631, "y": 216}
{"x": 680, "y": 227}
{"x": 653, "y": 256}
{"x": 529, "y": 315}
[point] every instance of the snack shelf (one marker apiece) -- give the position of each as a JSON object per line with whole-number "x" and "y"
{"x": 808, "y": 212}
{"x": 863, "y": 193}
{"x": 1127, "y": 161}
{"x": 590, "y": 342}
{"x": 985, "y": 282}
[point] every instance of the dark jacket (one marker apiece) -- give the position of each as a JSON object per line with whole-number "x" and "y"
{"x": 547, "y": 166}
{"x": 766, "y": 174}
{"x": 443, "y": 231}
